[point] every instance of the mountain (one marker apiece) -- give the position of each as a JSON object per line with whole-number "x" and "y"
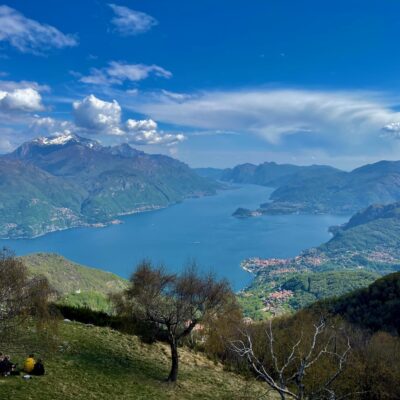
{"x": 54, "y": 183}
{"x": 32, "y": 201}
{"x": 275, "y": 175}
{"x": 212, "y": 173}
{"x": 319, "y": 189}
{"x": 361, "y": 250}
{"x": 345, "y": 192}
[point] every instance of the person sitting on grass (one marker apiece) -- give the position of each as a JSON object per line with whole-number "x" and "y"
{"x": 29, "y": 364}
{"x": 38, "y": 369}
{"x": 6, "y": 366}
{"x": 3, "y": 367}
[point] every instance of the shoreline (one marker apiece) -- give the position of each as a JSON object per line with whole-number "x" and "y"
{"x": 113, "y": 221}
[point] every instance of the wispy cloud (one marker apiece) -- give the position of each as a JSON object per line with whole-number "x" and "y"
{"x": 30, "y": 36}
{"x": 118, "y": 72}
{"x": 328, "y": 118}
{"x": 131, "y": 22}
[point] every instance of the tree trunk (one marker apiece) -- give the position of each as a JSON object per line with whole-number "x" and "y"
{"x": 173, "y": 375}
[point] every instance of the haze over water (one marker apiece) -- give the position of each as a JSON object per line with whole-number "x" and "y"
{"x": 202, "y": 229}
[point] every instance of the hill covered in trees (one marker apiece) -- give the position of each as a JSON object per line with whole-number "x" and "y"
{"x": 376, "y": 307}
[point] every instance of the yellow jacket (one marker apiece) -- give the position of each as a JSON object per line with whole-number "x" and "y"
{"x": 29, "y": 364}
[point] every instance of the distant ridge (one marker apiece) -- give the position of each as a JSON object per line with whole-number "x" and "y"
{"x": 319, "y": 189}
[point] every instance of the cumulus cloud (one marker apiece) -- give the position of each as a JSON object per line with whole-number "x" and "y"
{"x": 145, "y": 132}
{"x": 392, "y": 130}
{"x": 26, "y": 100}
{"x": 51, "y": 126}
{"x": 98, "y": 116}
{"x": 29, "y": 36}
{"x": 131, "y": 22}
{"x": 331, "y": 118}
{"x": 118, "y": 72}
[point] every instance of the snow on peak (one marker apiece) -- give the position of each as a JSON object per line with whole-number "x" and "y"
{"x": 56, "y": 140}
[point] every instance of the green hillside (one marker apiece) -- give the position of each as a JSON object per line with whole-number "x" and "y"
{"x": 78, "y": 285}
{"x": 376, "y": 307}
{"x": 367, "y": 247}
{"x": 293, "y": 291}
{"x": 99, "y": 363}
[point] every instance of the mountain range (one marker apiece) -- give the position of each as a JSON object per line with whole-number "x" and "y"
{"x": 318, "y": 189}
{"x": 54, "y": 183}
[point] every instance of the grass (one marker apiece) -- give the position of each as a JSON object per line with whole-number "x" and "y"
{"x": 68, "y": 277}
{"x": 76, "y": 284}
{"x": 98, "y": 363}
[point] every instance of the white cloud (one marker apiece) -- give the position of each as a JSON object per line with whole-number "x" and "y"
{"x": 392, "y": 130}
{"x": 51, "y": 126}
{"x": 145, "y": 132}
{"x": 131, "y": 22}
{"x": 135, "y": 72}
{"x": 333, "y": 118}
{"x": 98, "y": 116}
{"x": 119, "y": 72}
{"x": 26, "y": 100}
{"x": 29, "y": 36}
{"x": 176, "y": 96}
{"x": 8, "y": 86}
{"x": 141, "y": 125}
{"x": 5, "y": 145}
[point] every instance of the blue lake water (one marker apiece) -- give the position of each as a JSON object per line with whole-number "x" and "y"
{"x": 201, "y": 229}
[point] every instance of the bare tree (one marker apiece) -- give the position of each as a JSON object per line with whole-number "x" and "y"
{"x": 175, "y": 304}
{"x": 286, "y": 374}
{"x": 20, "y": 297}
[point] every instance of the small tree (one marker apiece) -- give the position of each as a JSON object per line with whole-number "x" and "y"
{"x": 174, "y": 304}
{"x": 20, "y": 297}
{"x": 284, "y": 368}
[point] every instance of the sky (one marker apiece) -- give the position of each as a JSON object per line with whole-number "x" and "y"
{"x": 213, "y": 82}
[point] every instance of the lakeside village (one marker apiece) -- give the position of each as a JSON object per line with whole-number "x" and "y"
{"x": 273, "y": 266}
{"x": 308, "y": 260}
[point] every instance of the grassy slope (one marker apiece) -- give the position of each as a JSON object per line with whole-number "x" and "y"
{"x": 68, "y": 278}
{"x": 98, "y": 363}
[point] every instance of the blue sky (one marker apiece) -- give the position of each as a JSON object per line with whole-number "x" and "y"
{"x": 214, "y": 83}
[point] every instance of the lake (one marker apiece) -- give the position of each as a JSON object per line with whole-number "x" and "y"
{"x": 202, "y": 229}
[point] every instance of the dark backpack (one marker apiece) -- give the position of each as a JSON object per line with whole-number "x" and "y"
{"x": 3, "y": 367}
{"x": 38, "y": 369}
